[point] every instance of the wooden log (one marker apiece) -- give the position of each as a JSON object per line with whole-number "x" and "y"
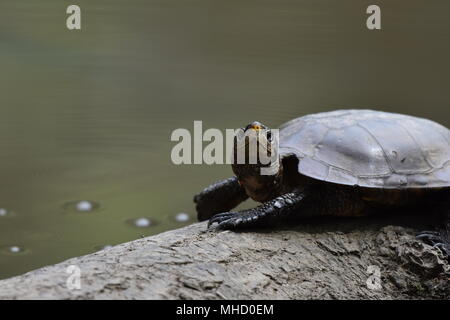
{"x": 335, "y": 260}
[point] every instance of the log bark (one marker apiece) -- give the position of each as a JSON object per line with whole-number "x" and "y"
{"x": 334, "y": 260}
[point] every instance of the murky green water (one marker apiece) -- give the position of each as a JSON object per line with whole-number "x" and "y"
{"x": 87, "y": 115}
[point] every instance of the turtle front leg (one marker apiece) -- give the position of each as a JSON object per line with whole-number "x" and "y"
{"x": 274, "y": 210}
{"x": 307, "y": 202}
{"x": 219, "y": 197}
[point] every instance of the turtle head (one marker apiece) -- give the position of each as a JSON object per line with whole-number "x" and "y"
{"x": 255, "y": 125}
{"x": 256, "y": 161}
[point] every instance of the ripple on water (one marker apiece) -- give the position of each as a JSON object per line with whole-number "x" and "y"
{"x": 13, "y": 250}
{"x": 81, "y": 206}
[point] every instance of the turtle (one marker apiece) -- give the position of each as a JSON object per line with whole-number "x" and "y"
{"x": 338, "y": 163}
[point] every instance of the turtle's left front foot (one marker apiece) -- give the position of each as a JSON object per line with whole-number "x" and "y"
{"x": 271, "y": 211}
{"x": 233, "y": 220}
{"x": 439, "y": 239}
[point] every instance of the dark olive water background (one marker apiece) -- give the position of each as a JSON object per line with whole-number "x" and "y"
{"x": 87, "y": 115}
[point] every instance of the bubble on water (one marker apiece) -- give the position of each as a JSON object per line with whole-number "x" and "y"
{"x": 142, "y": 222}
{"x": 15, "y": 249}
{"x": 81, "y": 206}
{"x": 182, "y": 217}
{"x": 108, "y": 246}
{"x": 6, "y": 213}
{"x": 84, "y": 206}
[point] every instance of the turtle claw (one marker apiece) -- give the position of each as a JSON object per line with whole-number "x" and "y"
{"x": 220, "y": 217}
{"x": 435, "y": 239}
{"x": 430, "y": 237}
{"x": 233, "y": 220}
{"x": 445, "y": 249}
{"x": 436, "y": 233}
{"x": 230, "y": 224}
{"x": 238, "y": 220}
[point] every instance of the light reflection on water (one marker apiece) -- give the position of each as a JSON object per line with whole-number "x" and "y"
{"x": 88, "y": 115}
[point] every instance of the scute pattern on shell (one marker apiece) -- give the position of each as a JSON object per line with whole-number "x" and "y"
{"x": 369, "y": 149}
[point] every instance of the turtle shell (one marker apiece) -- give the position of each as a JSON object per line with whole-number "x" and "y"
{"x": 369, "y": 149}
